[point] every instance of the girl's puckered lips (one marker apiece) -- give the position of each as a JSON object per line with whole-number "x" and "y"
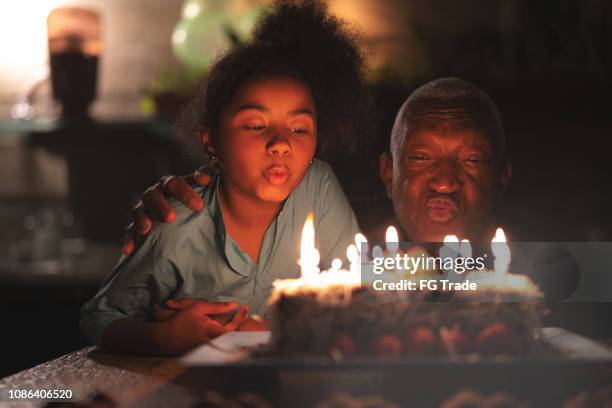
{"x": 277, "y": 174}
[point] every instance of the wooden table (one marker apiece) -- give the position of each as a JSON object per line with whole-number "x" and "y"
{"x": 140, "y": 381}
{"x": 127, "y": 380}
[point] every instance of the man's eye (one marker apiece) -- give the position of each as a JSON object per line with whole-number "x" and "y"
{"x": 420, "y": 157}
{"x": 255, "y": 128}
{"x": 473, "y": 160}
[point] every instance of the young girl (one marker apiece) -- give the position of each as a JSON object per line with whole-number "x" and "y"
{"x": 266, "y": 108}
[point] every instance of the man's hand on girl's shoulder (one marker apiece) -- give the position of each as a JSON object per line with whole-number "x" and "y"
{"x": 154, "y": 204}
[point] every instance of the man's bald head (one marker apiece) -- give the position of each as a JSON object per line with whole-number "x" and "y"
{"x": 449, "y": 104}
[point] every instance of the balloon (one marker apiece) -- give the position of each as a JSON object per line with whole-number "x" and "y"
{"x": 197, "y": 41}
{"x": 210, "y": 26}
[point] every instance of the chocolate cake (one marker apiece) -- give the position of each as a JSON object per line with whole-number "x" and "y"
{"x": 347, "y": 319}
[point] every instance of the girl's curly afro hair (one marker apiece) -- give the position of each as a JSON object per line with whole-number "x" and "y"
{"x": 301, "y": 40}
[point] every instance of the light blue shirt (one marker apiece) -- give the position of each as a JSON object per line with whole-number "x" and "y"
{"x": 194, "y": 257}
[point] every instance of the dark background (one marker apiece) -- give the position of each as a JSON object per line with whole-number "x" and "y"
{"x": 549, "y": 71}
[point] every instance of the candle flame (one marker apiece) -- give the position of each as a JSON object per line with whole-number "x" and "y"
{"x": 308, "y": 256}
{"x": 336, "y": 264}
{"x": 452, "y": 243}
{"x": 500, "y": 236}
{"x": 391, "y": 239}
{"x": 501, "y": 252}
{"x": 362, "y": 243}
{"x": 352, "y": 254}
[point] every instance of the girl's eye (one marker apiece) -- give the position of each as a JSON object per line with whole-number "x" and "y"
{"x": 298, "y": 131}
{"x": 255, "y": 128}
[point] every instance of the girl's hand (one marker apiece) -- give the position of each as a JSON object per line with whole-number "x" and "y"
{"x": 218, "y": 311}
{"x": 254, "y": 323}
{"x": 191, "y": 326}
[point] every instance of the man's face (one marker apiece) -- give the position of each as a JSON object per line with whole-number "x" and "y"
{"x": 444, "y": 182}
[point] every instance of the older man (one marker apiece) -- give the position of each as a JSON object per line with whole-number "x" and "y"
{"x": 447, "y": 168}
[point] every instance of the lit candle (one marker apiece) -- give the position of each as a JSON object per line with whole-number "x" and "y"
{"x": 308, "y": 253}
{"x": 362, "y": 245}
{"x": 353, "y": 256}
{"x": 465, "y": 249}
{"x": 391, "y": 240}
{"x": 450, "y": 249}
{"x": 501, "y": 252}
{"x": 377, "y": 252}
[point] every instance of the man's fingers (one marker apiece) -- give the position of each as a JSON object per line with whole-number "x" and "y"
{"x": 238, "y": 319}
{"x": 179, "y": 188}
{"x": 158, "y": 206}
{"x": 202, "y": 176}
{"x": 141, "y": 219}
{"x": 162, "y": 314}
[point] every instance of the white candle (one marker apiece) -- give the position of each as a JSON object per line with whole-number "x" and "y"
{"x": 353, "y": 256}
{"x": 465, "y": 249}
{"x": 362, "y": 245}
{"x": 377, "y": 252}
{"x": 308, "y": 254}
{"x": 501, "y": 252}
{"x": 450, "y": 249}
{"x": 391, "y": 240}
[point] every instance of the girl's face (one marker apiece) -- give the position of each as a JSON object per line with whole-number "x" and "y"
{"x": 267, "y": 137}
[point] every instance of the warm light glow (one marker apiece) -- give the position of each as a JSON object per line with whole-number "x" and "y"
{"x": 450, "y": 238}
{"x": 179, "y": 36}
{"x": 391, "y": 239}
{"x": 352, "y": 254}
{"x": 501, "y": 252}
{"x": 308, "y": 253}
{"x": 191, "y": 10}
{"x": 309, "y": 261}
{"x": 23, "y": 41}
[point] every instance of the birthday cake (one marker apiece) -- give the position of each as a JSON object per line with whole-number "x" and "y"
{"x": 338, "y": 314}
{"x": 344, "y": 320}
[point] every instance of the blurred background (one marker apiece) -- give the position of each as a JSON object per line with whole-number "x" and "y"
{"x": 90, "y": 89}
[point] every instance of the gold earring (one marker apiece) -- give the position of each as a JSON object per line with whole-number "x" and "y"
{"x": 214, "y": 163}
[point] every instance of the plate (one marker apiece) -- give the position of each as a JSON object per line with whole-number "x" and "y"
{"x": 232, "y": 349}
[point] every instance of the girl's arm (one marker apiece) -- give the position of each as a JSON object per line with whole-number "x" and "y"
{"x": 183, "y": 331}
